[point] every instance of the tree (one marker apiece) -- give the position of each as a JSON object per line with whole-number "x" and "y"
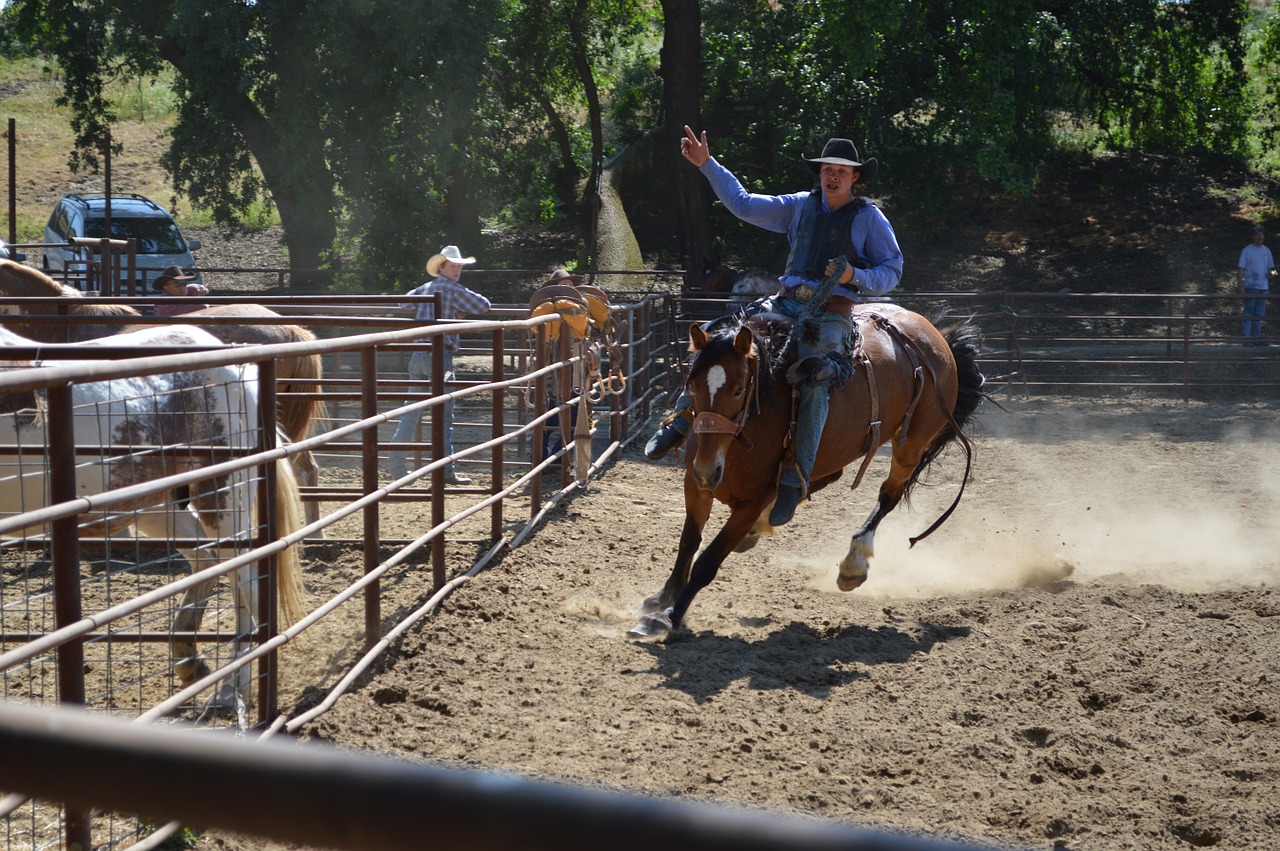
{"x": 359, "y": 113}
{"x": 681, "y": 95}
{"x": 971, "y": 90}
{"x": 554, "y": 63}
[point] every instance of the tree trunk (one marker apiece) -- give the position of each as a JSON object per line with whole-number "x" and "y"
{"x": 294, "y": 169}
{"x": 681, "y": 84}
{"x": 590, "y": 206}
{"x": 301, "y": 188}
{"x": 566, "y": 176}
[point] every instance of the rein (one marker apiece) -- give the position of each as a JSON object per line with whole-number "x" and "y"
{"x": 911, "y": 348}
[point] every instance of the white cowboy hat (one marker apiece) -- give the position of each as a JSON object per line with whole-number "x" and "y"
{"x": 450, "y": 253}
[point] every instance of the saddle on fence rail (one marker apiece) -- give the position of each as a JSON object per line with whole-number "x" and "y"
{"x": 587, "y": 314}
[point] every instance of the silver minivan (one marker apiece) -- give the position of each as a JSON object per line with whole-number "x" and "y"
{"x": 160, "y": 243}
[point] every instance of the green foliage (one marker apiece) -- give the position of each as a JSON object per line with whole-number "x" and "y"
{"x": 323, "y": 108}
{"x": 964, "y": 91}
{"x": 390, "y": 128}
{"x": 1163, "y": 77}
{"x": 634, "y": 107}
{"x": 1266, "y": 50}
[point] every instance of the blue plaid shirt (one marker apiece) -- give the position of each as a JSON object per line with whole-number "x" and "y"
{"x": 455, "y": 302}
{"x": 870, "y": 232}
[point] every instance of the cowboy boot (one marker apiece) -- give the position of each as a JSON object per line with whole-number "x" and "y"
{"x": 784, "y": 507}
{"x": 670, "y": 435}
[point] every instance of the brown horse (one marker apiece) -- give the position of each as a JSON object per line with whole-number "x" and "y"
{"x": 912, "y": 384}
{"x": 294, "y": 374}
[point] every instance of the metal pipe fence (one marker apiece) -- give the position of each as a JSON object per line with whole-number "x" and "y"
{"x": 516, "y": 399}
{"x": 318, "y": 795}
{"x": 1181, "y": 345}
{"x": 526, "y": 392}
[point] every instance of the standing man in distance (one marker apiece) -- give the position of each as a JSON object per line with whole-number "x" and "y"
{"x": 1254, "y": 270}
{"x": 172, "y": 282}
{"x": 821, "y": 225}
{"x": 456, "y": 300}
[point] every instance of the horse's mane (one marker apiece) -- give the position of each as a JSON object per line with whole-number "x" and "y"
{"x": 18, "y": 279}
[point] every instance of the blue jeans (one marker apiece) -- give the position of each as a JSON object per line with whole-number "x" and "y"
{"x": 811, "y": 418}
{"x": 420, "y": 378}
{"x": 1254, "y": 309}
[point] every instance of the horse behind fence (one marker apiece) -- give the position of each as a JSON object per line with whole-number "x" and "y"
{"x": 131, "y": 431}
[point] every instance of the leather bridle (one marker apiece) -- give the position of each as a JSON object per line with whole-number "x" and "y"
{"x": 709, "y": 422}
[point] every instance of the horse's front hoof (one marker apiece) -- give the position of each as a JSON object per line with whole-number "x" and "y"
{"x": 652, "y": 625}
{"x": 657, "y": 603}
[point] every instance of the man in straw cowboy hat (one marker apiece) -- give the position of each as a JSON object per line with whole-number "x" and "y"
{"x": 822, "y": 224}
{"x": 172, "y": 282}
{"x": 456, "y": 301}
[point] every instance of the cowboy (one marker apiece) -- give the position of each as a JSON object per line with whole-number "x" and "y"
{"x": 172, "y": 282}
{"x": 821, "y": 225}
{"x": 456, "y": 300}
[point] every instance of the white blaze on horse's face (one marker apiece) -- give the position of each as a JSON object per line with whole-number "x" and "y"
{"x": 716, "y": 379}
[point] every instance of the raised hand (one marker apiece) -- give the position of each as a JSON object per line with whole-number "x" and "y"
{"x": 695, "y": 149}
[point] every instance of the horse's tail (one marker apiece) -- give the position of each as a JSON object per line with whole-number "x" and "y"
{"x": 288, "y": 519}
{"x": 965, "y": 341}
{"x": 297, "y": 415}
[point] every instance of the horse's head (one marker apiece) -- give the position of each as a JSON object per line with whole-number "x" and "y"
{"x": 716, "y": 277}
{"x": 750, "y": 285}
{"x": 724, "y": 382}
{"x": 20, "y": 280}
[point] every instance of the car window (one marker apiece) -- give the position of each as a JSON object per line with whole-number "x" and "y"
{"x": 155, "y": 236}
{"x": 58, "y": 221}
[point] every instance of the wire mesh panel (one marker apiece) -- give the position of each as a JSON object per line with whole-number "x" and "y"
{"x": 121, "y": 503}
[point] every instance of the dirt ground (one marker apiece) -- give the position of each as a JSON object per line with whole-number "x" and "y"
{"x": 1082, "y": 657}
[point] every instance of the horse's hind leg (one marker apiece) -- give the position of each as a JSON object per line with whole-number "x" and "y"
{"x": 308, "y": 473}
{"x": 857, "y": 562}
{"x": 181, "y": 523}
{"x": 246, "y": 594}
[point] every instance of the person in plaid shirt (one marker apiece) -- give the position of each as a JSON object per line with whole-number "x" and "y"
{"x": 456, "y": 301}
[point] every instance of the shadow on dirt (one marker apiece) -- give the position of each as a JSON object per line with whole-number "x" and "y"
{"x": 797, "y": 657}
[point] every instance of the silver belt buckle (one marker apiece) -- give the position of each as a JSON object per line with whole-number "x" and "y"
{"x": 801, "y": 293}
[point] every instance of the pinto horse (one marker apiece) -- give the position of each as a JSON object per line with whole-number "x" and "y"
{"x": 295, "y": 374}
{"x": 913, "y": 385}
{"x": 162, "y": 415}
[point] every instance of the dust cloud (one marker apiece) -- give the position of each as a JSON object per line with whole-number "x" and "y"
{"x": 1190, "y": 503}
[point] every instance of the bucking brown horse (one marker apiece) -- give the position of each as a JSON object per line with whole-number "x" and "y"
{"x": 913, "y": 386}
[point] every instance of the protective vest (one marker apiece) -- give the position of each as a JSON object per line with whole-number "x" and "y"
{"x": 823, "y": 235}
